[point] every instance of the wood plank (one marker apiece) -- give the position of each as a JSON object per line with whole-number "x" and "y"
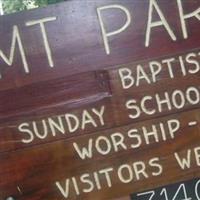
{"x": 154, "y": 88}
{"x": 123, "y": 198}
{"x": 76, "y": 41}
{"x": 35, "y": 104}
{"x": 62, "y": 101}
{"x": 41, "y": 99}
{"x": 36, "y": 170}
{"x": 61, "y": 91}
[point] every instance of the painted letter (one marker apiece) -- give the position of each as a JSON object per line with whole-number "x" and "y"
{"x": 162, "y": 22}
{"x": 183, "y": 17}
{"x": 44, "y": 35}
{"x": 24, "y": 128}
{"x": 15, "y": 39}
{"x": 184, "y": 163}
{"x": 103, "y": 29}
{"x": 126, "y": 77}
{"x": 64, "y": 192}
{"x": 85, "y": 152}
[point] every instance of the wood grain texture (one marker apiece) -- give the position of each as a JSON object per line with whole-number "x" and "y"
{"x": 89, "y": 90}
{"x": 123, "y": 198}
{"x": 84, "y": 78}
{"x": 51, "y": 162}
{"x": 76, "y": 41}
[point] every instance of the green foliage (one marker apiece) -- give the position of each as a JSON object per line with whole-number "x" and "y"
{"x": 46, "y": 2}
{"x": 13, "y": 6}
{"x": 10, "y": 6}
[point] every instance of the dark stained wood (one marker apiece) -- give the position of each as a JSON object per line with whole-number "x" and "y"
{"x": 163, "y": 84}
{"x": 48, "y": 163}
{"x": 84, "y": 78}
{"x": 85, "y": 91}
{"x": 123, "y": 198}
{"x": 56, "y": 98}
{"x": 41, "y": 99}
{"x": 76, "y": 41}
{"x": 50, "y": 99}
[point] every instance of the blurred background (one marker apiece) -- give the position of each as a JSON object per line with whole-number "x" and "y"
{"x": 11, "y": 6}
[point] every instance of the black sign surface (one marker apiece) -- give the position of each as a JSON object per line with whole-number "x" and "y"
{"x": 189, "y": 190}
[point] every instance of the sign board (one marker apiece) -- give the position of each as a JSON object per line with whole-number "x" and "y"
{"x": 100, "y": 100}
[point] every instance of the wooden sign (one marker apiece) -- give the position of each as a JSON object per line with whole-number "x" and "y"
{"x": 101, "y": 100}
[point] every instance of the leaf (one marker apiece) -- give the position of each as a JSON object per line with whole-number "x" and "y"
{"x": 10, "y": 6}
